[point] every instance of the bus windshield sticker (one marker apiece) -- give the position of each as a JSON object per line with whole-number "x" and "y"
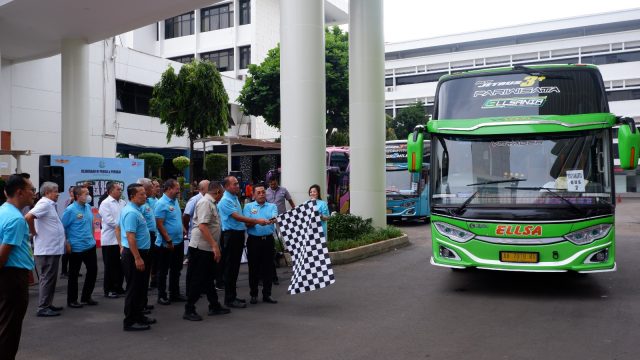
{"x": 526, "y": 82}
{"x": 575, "y": 180}
{"x": 517, "y": 91}
{"x": 537, "y": 101}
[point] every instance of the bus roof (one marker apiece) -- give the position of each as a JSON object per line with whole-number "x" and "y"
{"x": 515, "y": 68}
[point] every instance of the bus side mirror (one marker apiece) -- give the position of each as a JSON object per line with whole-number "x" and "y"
{"x": 415, "y": 149}
{"x": 628, "y": 144}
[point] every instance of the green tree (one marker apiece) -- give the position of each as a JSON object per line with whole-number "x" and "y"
{"x": 408, "y": 118}
{"x": 391, "y": 133}
{"x": 193, "y": 102}
{"x": 216, "y": 166}
{"x": 260, "y": 95}
{"x": 151, "y": 161}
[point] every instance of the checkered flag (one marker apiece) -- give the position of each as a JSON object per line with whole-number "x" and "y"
{"x": 304, "y": 238}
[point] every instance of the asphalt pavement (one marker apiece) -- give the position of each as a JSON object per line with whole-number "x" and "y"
{"x": 392, "y": 306}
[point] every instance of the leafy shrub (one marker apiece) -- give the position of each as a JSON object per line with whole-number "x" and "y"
{"x": 181, "y": 163}
{"x": 152, "y": 161}
{"x": 347, "y": 226}
{"x": 216, "y": 166}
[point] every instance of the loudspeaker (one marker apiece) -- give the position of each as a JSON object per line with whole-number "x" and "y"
{"x": 51, "y": 173}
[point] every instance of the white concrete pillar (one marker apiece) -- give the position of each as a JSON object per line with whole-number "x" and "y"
{"x": 366, "y": 110}
{"x": 76, "y": 124}
{"x": 302, "y": 96}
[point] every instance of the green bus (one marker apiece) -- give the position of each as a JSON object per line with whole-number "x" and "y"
{"x": 522, "y": 169}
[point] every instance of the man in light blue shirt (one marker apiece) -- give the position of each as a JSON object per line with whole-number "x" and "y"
{"x": 16, "y": 263}
{"x": 135, "y": 242}
{"x": 260, "y": 245}
{"x": 78, "y": 227}
{"x": 147, "y": 211}
{"x": 169, "y": 243}
{"x": 233, "y": 231}
{"x": 190, "y": 209}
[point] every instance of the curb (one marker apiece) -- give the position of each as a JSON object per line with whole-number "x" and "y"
{"x": 363, "y": 252}
{"x": 359, "y": 253}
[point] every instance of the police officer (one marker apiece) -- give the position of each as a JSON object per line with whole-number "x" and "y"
{"x": 16, "y": 263}
{"x": 169, "y": 243}
{"x": 135, "y": 242}
{"x": 78, "y": 227}
{"x": 233, "y": 227}
{"x": 260, "y": 245}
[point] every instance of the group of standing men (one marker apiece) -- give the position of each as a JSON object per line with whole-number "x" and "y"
{"x": 141, "y": 236}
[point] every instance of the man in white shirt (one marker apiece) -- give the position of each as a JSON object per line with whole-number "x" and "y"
{"x": 109, "y": 211}
{"x": 49, "y": 244}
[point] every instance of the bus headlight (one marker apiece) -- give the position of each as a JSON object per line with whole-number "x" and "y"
{"x": 588, "y": 235}
{"x": 453, "y": 232}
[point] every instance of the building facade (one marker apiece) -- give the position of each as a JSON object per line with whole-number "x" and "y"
{"x": 123, "y": 70}
{"x": 610, "y": 40}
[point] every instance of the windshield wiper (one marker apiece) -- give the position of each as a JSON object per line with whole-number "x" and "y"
{"x": 497, "y": 182}
{"x": 572, "y": 205}
{"x": 465, "y": 203}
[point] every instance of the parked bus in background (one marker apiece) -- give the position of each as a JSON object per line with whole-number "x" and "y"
{"x": 407, "y": 192}
{"x": 337, "y": 192}
{"x": 522, "y": 169}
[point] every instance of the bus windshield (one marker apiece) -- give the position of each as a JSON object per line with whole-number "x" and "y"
{"x": 527, "y": 93}
{"x": 562, "y": 172}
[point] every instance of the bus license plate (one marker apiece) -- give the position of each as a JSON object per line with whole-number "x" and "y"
{"x": 519, "y": 257}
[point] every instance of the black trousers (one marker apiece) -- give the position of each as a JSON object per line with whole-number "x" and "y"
{"x": 137, "y": 285}
{"x": 233, "y": 243}
{"x": 112, "y": 268}
{"x": 201, "y": 272}
{"x": 153, "y": 258}
{"x": 76, "y": 259}
{"x": 260, "y": 253}
{"x": 65, "y": 264}
{"x": 169, "y": 263}
{"x": 14, "y": 299}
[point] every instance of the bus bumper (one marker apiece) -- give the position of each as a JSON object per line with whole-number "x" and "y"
{"x": 454, "y": 255}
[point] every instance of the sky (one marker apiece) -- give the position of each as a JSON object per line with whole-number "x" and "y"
{"x": 420, "y": 19}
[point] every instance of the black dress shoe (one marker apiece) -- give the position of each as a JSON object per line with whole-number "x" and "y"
{"x": 178, "y": 298}
{"x": 218, "y": 310}
{"x": 136, "y": 327}
{"x": 164, "y": 301}
{"x": 269, "y": 299}
{"x": 74, "y": 305}
{"x": 146, "y": 312}
{"x": 89, "y": 302}
{"x": 254, "y": 300}
{"x": 236, "y": 304}
{"x": 192, "y": 316}
{"x": 149, "y": 307}
{"x": 241, "y": 300}
{"x": 46, "y": 312}
{"x": 148, "y": 320}
{"x": 56, "y": 308}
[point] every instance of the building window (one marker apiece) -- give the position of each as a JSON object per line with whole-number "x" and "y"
{"x": 216, "y": 17}
{"x": 223, "y": 59}
{"x": 181, "y": 25}
{"x": 245, "y": 12}
{"x": 133, "y": 98}
{"x": 245, "y": 56}
{"x": 182, "y": 59}
{"x": 623, "y": 95}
